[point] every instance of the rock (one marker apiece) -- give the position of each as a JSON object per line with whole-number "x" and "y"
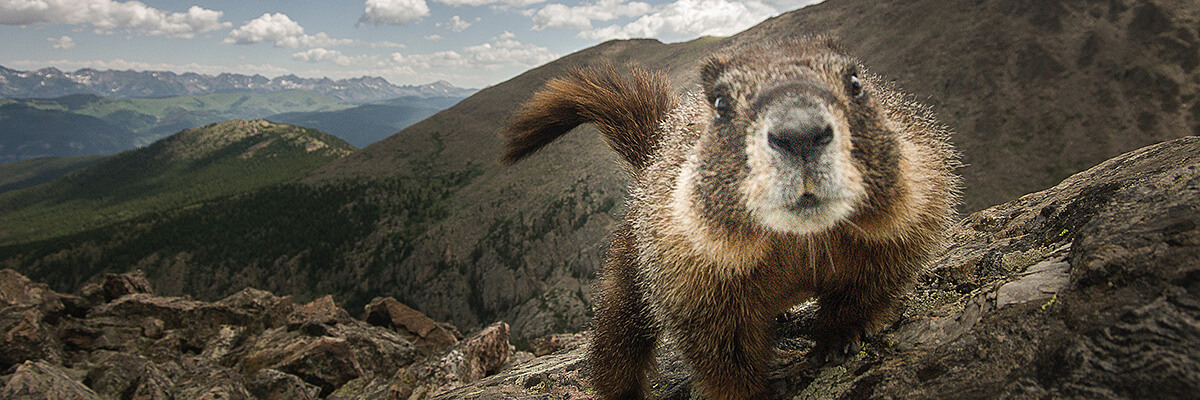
{"x": 371, "y": 388}
{"x": 219, "y": 349}
{"x": 179, "y": 313}
{"x": 322, "y": 361}
{"x": 266, "y": 308}
{"x": 40, "y": 380}
{"x": 120, "y": 375}
{"x": 557, "y": 376}
{"x": 327, "y": 362}
{"x": 270, "y": 384}
{"x": 378, "y": 350}
{"x": 212, "y": 383}
{"x": 429, "y": 336}
{"x": 1089, "y": 289}
{"x": 551, "y": 343}
{"x": 17, "y": 290}
{"x": 322, "y": 310}
{"x": 117, "y": 285}
{"x": 25, "y": 335}
{"x": 472, "y": 359}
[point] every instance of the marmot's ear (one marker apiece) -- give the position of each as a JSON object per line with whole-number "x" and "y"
{"x": 712, "y": 69}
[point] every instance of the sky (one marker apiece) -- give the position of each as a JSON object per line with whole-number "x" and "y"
{"x": 469, "y": 43}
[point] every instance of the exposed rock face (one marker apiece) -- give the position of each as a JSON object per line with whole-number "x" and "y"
{"x": 1090, "y": 289}
{"x": 121, "y": 341}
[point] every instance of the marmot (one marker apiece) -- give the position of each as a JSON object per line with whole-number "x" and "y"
{"x": 794, "y": 174}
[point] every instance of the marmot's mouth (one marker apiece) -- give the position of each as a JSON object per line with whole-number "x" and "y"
{"x": 806, "y": 202}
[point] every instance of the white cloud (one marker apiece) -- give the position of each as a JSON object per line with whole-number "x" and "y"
{"x": 477, "y": 3}
{"x": 500, "y": 52}
{"x": 108, "y": 15}
{"x": 505, "y": 50}
{"x": 64, "y": 42}
{"x": 433, "y": 37}
{"x": 376, "y": 45}
{"x": 581, "y": 17}
{"x": 333, "y": 56}
{"x": 394, "y": 12}
{"x": 277, "y": 28}
{"x": 441, "y": 59}
{"x": 679, "y": 19}
{"x": 456, "y": 24}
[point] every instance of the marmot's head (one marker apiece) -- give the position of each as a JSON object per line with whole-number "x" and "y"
{"x": 796, "y": 142}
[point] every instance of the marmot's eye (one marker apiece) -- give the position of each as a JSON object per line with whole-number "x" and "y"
{"x": 856, "y": 88}
{"x": 721, "y": 104}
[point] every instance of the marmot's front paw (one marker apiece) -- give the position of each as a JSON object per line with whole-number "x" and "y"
{"x": 835, "y": 351}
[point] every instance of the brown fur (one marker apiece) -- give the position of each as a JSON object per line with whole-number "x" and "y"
{"x": 779, "y": 183}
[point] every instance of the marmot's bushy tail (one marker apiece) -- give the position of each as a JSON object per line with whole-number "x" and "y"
{"x": 627, "y": 111}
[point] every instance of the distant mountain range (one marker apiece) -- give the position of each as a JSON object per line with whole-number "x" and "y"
{"x": 52, "y": 82}
{"x": 85, "y": 124}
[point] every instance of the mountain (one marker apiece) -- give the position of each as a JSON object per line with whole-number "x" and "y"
{"x": 190, "y": 167}
{"x": 369, "y": 123}
{"x": 52, "y": 82}
{"x": 1035, "y": 91}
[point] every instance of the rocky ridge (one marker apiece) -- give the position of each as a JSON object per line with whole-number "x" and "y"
{"x": 118, "y": 340}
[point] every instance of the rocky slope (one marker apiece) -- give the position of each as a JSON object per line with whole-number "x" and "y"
{"x": 118, "y": 340}
{"x": 1089, "y": 289}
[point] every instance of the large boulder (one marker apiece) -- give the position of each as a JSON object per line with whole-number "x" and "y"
{"x": 40, "y": 380}
{"x": 428, "y": 335}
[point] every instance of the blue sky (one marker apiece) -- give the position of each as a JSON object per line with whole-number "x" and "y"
{"x": 470, "y": 43}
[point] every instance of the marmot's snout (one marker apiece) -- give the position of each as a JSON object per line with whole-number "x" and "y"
{"x": 799, "y": 130}
{"x": 800, "y": 161}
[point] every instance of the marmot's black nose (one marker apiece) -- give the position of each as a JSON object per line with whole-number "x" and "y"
{"x": 803, "y": 134}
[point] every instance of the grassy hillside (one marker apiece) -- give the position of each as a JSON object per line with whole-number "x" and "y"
{"x": 33, "y": 172}
{"x": 28, "y": 131}
{"x": 307, "y": 240}
{"x": 190, "y": 167}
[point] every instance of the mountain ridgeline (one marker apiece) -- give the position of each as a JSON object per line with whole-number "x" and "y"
{"x": 1035, "y": 91}
{"x": 52, "y": 82}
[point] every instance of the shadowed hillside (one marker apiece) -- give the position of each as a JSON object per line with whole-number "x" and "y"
{"x": 189, "y": 167}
